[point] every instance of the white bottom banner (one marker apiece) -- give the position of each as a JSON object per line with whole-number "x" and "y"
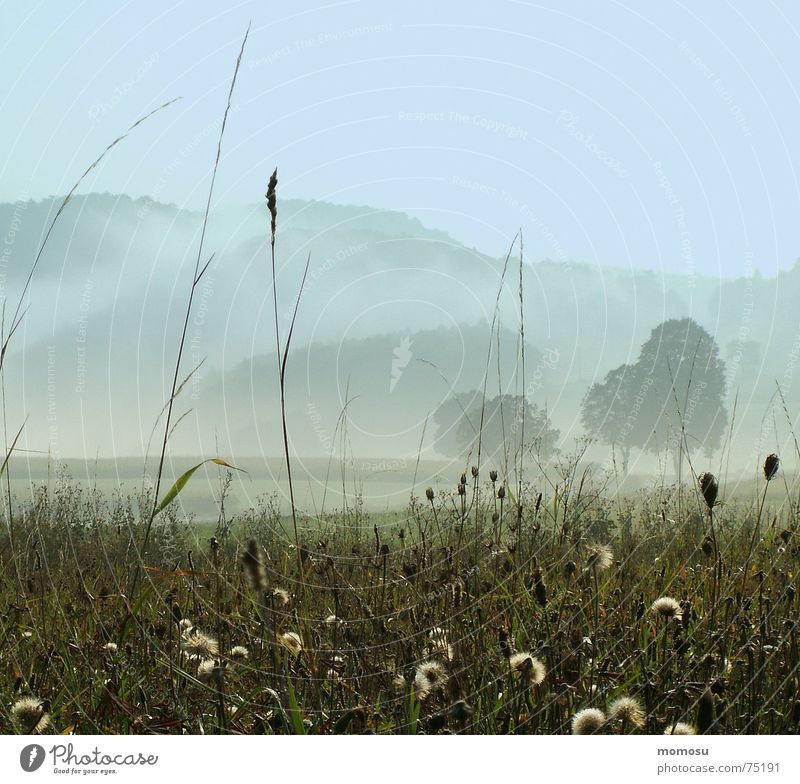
{"x": 399, "y": 759}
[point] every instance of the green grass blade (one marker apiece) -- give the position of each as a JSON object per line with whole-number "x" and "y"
{"x": 182, "y": 480}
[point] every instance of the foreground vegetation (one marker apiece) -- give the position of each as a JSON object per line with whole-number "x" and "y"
{"x": 486, "y": 608}
{"x": 473, "y": 612}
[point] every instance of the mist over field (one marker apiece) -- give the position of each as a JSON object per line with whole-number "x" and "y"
{"x": 395, "y": 320}
{"x": 422, "y": 368}
{"x": 643, "y": 157}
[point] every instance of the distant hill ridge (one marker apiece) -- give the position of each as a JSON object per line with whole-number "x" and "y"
{"x": 107, "y": 301}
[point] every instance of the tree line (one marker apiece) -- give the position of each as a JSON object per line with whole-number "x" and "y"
{"x": 670, "y": 400}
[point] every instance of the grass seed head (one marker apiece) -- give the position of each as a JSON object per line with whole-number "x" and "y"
{"x": 253, "y": 563}
{"x": 272, "y": 202}
{"x": 771, "y": 465}
{"x": 709, "y": 487}
{"x": 539, "y": 588}
{"x": 706, "y": 712}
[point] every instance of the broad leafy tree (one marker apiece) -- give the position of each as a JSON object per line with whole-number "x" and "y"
{"x": 510, "y": 423}
{"x": 670, "y": 400}
{"x": 608, "y": 411}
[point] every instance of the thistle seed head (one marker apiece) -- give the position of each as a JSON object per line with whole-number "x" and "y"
{"x": 588, "y": 721}
{"x": 429, "y": 678}
{"x": 30, "y": 717}
{"x": 527, "y": 668}
{"x": 600, "y": 557}
{"x": 680, "y": 728}
{"x": 667, "y": 607}
{"x": 195, "y": 643}
{"x": 627, "y": 710}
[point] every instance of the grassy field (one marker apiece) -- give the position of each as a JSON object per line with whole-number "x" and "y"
{"x": 321, "y": 485}
{"x": 520, "y": 604}
{"x": 379, "y": 485}
{"x": 474, "y": 610}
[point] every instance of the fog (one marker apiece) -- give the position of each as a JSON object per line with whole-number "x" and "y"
{"x": 396, "y": 319}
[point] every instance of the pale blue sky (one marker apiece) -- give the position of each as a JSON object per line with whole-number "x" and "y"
{"x": 647, "y": 134}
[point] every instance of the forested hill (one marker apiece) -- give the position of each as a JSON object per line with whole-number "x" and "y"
{"x": 107, "y": 303}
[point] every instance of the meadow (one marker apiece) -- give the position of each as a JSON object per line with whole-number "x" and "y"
{"x": 479, "y": 609}
{"x": 515, "y": 598}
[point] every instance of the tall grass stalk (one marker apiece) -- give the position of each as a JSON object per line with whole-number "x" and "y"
{"x": 196, "y": 278}
{"x": 19, "y": 311}
{"x": 282, "y": 353}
